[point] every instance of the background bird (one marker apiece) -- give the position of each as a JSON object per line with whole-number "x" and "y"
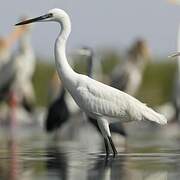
{"x": 127, "y": 76}
{"x": 176, "y": 89}
{"x": 24, "y": 65}
{"x": 7, "y": 72}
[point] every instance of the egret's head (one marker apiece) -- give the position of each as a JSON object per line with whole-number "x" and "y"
{"x": 52, "y": 15}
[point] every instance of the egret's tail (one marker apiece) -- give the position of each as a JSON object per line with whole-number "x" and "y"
{"x": 151, "y": 115}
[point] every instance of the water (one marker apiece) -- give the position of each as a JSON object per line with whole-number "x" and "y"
{"x": 28, "y": 153}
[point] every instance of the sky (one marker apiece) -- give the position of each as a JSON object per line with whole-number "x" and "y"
{"x": 102, "y": 23}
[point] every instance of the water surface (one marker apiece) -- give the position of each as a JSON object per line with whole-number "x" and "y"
{"x": 29, "y": 153}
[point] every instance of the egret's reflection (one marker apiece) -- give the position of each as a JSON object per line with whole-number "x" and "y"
{"x": 114, "y": 168}
{"x": 71, "y": 166}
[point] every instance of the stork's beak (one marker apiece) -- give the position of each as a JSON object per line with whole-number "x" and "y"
{"x": 174, "y": 55}
{"x": 40, "y": 18}
{"x": 83, "y": 52}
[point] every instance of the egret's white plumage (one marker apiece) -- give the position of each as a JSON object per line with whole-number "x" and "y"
{"x": 96, "y": 99}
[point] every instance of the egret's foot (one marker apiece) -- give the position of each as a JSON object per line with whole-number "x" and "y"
{"x": 106, "y": 147}
{"x": 112, "y": 146}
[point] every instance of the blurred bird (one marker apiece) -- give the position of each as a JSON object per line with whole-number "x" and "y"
{"x": 100, "y": 101}
{"x": 127, "y": 76}
{"x": 24, "y": 65}
{"x": 176, "y": 2}
{"x": 176, "y": 88}
{"x": 7, "y": 72}
{"x": 58, "y": 113}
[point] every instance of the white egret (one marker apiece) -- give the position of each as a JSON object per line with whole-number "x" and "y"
{"x": 60, "y": 110}
{"x": 128, "y": 75}
{"x": 99, "y": 101}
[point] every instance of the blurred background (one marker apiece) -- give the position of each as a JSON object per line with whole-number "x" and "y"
{"x": 111, "y": 26}
{"x": 124, "y": 44}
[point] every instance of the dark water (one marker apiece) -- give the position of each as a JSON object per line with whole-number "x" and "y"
{"x": 28, "y": 153}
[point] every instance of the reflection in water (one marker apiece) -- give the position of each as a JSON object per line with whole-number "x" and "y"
{"x": 31, "y": 156}
{"x": 111, "y": 169}
{"x": 68, "y": 167}
{"x": 13, "y": 162}
{"x": 56, "y": 163}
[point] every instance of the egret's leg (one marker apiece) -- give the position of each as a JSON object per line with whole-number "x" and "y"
{"x": 112, "y": 146}
{"x": 106, "y": 146}
{"x": 104, "y": 127}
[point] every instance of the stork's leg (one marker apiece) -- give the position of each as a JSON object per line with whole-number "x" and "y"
{"x": 112, "y": 146}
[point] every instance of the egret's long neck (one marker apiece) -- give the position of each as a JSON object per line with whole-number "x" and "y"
{"x": 66, "y": 73}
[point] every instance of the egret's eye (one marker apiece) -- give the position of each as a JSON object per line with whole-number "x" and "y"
{"x": 50, "y": 15}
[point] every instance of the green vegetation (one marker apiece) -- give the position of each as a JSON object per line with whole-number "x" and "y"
{"x": 156, "y": 87}
{"x": 157, "y": 83}
{"x": 42, "y": 76}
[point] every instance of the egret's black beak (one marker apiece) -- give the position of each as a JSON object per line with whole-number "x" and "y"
{"x": 46, "y": 16}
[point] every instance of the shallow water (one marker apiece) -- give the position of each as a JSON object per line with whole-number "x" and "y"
{"x": 28, "y": 153}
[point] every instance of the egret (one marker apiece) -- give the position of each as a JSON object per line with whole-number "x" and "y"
{"x": 127, "y": 76}
{"x": 97, "y": 100}
{"x": 60, "y": 110}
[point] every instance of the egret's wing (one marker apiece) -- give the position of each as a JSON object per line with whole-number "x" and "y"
{"x": 100, "y": 99}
